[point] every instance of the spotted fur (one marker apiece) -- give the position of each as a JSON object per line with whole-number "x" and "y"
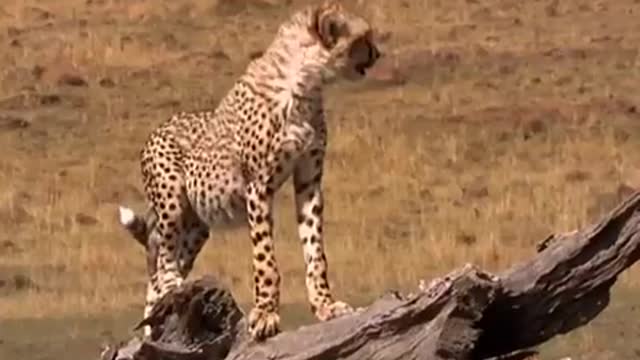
{"x": 209, "y": 169}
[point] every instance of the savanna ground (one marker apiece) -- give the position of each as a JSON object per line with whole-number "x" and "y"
{"x": 488, "y": 125}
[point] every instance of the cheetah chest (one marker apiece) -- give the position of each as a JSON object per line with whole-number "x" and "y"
{"x": 298, "y": 134}
{"x": 297, "y": 139}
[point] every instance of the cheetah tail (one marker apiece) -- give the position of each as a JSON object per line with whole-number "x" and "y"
{"x": 137, "y": 225}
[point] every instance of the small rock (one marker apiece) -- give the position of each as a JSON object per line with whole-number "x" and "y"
{"x": 533, "y": 127}
{"x": 552, "y": 9}
{"x": 577, "y": 175}
{"x": 475, "y": 190}
{"x": 21, "y": 281}
{"x": 22, "y": 196}
{"x": 8, "y": 122}
{"x": 86, "y": 220}
{"x": 426, "y": 194}
{"x": 375, "y": 191}
{"x": 107, "y": 83}
{"x": 17, "y": 282}
{"x": 37, "y": 71}
{"x": 466, "y": 239}
{"x": 9, "y": 247}
{"x": 50, "y": 99}
{"x": 220, "y": 54}
{"x": 71, "y": 80}
{"x": 170, "y": 41}
{"x": 142, "y": 74}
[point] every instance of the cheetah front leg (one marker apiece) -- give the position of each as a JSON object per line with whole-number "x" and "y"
{"x": 307, "y": 178}
{"x": 264, "y": 320}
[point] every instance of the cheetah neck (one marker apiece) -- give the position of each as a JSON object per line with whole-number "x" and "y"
{"x": 290, "y": 69}
{"x": 294, "y": 63}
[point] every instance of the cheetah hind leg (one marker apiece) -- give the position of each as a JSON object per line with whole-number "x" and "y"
{"x": 142, "y": 226}
{"x": 170, "y": 272}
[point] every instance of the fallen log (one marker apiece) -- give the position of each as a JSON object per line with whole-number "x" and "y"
{"x": 467, "y": 314}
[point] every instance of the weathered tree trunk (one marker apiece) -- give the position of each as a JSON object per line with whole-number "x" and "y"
{"x": 468, "y": 314}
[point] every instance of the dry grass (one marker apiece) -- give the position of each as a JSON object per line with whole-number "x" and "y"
{"x": 517, "y": 120}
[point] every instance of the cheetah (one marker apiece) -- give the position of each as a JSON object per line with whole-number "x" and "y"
{"x": 207, "y": 169}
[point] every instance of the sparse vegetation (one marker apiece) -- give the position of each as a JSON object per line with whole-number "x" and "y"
{"x": 488, "y": 125}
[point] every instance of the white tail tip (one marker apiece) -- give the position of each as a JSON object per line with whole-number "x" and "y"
{"x": 127, "y": 216}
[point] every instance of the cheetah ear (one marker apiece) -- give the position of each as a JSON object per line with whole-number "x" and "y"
{"x": 325, "y": 23}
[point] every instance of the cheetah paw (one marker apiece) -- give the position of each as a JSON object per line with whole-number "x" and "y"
{"x": 334, "y": 310}
{"x": 263, "y": 324}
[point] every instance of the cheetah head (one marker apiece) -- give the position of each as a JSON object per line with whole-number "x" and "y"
{"x": 346, "y": 37}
